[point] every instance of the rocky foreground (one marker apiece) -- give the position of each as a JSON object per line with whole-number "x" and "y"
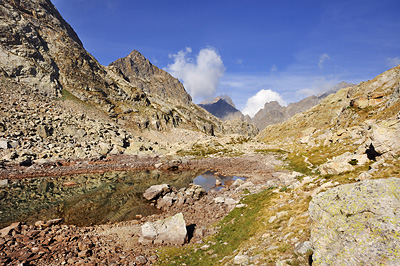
{"x": 54, "y": 243}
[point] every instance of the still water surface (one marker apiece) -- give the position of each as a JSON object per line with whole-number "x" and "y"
{"x": 88, "y": 199}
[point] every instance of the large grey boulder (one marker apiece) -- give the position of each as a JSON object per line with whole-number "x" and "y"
{"x": 171, "y": 230}
{"x": 357, "y": 224}
{"x": 385, "y": 136}
{"x": 156, "y": 191}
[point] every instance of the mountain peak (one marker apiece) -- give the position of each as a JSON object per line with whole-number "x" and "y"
{"x": 224, "y": 98}
{"x": 137, "y": 68}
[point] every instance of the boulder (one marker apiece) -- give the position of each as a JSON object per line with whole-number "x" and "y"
{"x": 357, "y": 224}
{"x": 171, "y": 230}
{"x": 303, "y": 248}
{"x": 149, "y": 232}
{"x": 385, "y": 137}
{"x": 238, "y": 182}
{"x": 156, "y": 191}
{"x": 241, "y": 259}
{"x": 335, "y": 168}
{"x": 4, "y": 144}
{"x": 165, "y": 202}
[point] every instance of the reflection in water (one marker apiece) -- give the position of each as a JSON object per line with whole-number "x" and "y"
{"x": 207, "y": 180}
{"x": 88, "y": 199}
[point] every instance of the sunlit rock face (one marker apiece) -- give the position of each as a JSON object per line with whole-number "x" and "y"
{"x": 357, "y": 224}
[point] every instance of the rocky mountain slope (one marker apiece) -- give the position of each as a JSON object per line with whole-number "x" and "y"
{"x": 141, "y": 73}
{"x": 274, "y": 113}
{"x": 359, "y": 116}
{"x": 66, "y": 98}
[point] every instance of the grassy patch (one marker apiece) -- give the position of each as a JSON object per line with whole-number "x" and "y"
{"x": 236, "y": 228}
{"x": 67, "y": 96}
{"x": 250, "y": 229}
{"x": 238, "y": 140}
{"x": 274, "y": 151}
{"x": 297, "y": 163}
{"x": 204, "y": 150}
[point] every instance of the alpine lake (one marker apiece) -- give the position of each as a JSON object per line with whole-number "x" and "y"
{"x": 91, "y": 199}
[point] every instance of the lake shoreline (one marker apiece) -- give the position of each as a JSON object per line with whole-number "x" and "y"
{"x": 247, "y": 166}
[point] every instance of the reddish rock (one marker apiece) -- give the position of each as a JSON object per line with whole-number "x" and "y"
{"x": 10, "y": 229}
{"x": 70, "y": 184}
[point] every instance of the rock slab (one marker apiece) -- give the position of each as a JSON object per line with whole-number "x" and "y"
{"x": 171, "y": 230}
{"x": 156, "y": 191}
{"x": 357, "y": 224}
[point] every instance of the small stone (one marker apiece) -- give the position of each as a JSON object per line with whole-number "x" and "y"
{"x": 3, "y": 182}
{"x": 205, "y": 247}
{"x": 141, "y": 260}
{"x": 303, "y": 248}
{"x": 4, "y": 144}
{"x": 238, "y": 182}
{"x": 69, "y": 184}
{"x": 241, "y": 259}
{"x": 219, "y": 200}
{"x": 272, "y": 219}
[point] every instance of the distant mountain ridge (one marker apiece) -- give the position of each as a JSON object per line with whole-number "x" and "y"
{"x": 222, "y": 107}
{"x": 274, "y": 113}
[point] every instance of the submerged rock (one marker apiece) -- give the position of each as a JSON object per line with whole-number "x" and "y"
{"x": 357, "y": 224}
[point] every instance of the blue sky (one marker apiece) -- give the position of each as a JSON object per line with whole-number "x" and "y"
{"x": 268, "y": 50}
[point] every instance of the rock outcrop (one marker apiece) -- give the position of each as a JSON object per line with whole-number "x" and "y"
{"x": 357, "y": 224}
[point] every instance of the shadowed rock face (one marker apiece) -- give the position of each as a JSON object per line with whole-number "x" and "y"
{"x": 222, "y": 109}
{"x": 357, "y": 224}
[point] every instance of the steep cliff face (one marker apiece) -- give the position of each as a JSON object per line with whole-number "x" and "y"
{"x": 38, "y": 48}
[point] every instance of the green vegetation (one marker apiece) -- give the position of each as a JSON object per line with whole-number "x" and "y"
{"x": 250, "y": 227}
{"x": 353, "y": 162}
{"x": 267, "y": 151}
{"x": 204, "y": 150}
{"x": 238, "y": 140}
{"x": 236, "y": 228}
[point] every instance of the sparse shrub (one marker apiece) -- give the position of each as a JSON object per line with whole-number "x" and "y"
{"x": 353, "y": 162}
{"x": 283, "y": 189}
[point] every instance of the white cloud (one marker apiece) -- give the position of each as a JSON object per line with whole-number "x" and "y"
{"x": 257, "y": 101}
{"x": 393, "y": 61}
{"x": 322, "y": 59}
{"x": 200, "y": 77}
